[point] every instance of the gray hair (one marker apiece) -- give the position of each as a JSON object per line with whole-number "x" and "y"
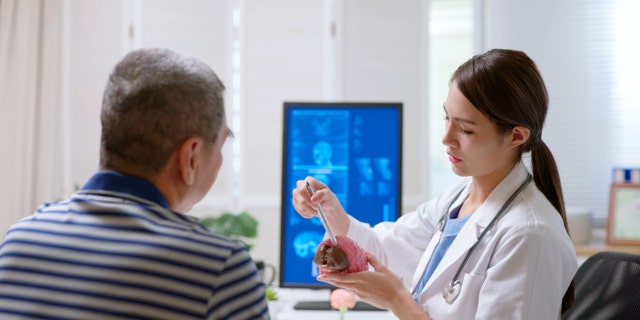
{"x": 153, "y": 101}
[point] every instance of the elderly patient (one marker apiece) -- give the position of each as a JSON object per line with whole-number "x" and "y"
{"x": 121, "y": 247}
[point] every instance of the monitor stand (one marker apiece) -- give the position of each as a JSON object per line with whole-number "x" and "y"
{"x": 325, "y": 305}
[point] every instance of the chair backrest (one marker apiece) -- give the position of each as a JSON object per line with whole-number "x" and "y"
{"x": 607, "y": 287}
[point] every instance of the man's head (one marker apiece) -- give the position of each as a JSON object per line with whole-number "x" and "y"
{"x": 157, "y": 105}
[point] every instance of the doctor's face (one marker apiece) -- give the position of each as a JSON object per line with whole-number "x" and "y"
{"x": 474, "y": 145}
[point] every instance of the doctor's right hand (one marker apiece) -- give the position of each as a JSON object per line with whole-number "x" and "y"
{"x": 307, "y": 205}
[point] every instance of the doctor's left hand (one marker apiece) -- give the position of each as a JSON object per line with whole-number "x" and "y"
{"x": 380, "y": 287}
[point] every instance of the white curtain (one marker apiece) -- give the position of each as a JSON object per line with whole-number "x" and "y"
{"x": 29, "y": 104}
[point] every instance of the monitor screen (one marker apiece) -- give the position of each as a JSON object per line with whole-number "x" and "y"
{"x": 355, "y": 149}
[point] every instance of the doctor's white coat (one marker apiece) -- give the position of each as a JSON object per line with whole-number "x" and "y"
{"x": 520, "y": 269}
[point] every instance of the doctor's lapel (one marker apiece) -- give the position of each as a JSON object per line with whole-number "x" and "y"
{"x": 425, "y": 260}
{"x": 435, "y": 239}
{"x": 460, "y": 246}
{"x": 477, "y": 223}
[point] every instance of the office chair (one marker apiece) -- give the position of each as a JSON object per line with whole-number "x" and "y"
{"x": 607, "y": 286}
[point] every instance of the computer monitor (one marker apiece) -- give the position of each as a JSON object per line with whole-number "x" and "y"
{"x": 356, "y": 150}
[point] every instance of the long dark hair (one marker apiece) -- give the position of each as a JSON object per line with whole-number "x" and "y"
{"x": 506, "y": 86}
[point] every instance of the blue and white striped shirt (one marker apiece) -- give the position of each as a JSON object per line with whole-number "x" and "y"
{"x": 115, "y": 250}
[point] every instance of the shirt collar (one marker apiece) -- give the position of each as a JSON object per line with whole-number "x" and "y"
{"x": 122, "y": 183}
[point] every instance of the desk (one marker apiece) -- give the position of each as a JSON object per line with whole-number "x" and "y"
{"x": 598, "y": 243}
{"x": 282, "y": 309}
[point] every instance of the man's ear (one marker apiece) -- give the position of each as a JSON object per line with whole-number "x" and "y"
{"x": 188, "y": 155}
{"x": 519, "y": 135}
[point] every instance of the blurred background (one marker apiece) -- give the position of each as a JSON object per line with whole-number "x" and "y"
{"x": 55, "y": 56}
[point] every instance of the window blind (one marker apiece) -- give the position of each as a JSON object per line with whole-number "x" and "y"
{"x": 582, "y": 50}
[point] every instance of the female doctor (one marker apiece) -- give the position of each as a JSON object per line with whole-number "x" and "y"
{"x": 493, "y": 246}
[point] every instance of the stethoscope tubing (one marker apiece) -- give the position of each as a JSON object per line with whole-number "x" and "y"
{"x": 443, "y": 221}
{"x": 500, "y": 213}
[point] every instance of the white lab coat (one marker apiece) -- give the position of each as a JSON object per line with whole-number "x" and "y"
{"x": 519, "y": 270}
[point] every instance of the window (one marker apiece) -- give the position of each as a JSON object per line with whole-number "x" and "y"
{"x": 450, "y": 44}
{"x": 586, "y": 52}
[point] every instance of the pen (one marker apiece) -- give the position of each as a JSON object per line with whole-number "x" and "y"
{"x": 323, "y": 217}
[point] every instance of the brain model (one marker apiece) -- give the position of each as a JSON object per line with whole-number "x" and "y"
{"x": 346, "y": 257}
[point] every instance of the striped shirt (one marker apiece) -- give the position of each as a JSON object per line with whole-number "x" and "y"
{"x": 115, "y": 250}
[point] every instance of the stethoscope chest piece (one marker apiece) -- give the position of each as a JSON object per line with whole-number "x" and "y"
{"x": 451, "y": 291}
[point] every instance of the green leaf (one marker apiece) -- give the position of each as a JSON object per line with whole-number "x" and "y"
{"x": 272, "y": 294}
{"x": 236, "y": 226}
{"x": 247, "y": 225}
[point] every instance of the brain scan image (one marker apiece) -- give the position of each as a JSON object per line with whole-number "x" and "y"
{"x": 322, "y": 153}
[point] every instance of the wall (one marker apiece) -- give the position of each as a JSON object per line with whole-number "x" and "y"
{"x": 268, "y": 52}
{"x": 276, "y": 51}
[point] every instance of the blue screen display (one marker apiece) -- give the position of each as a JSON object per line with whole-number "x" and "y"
{"x": 355, "y": 149}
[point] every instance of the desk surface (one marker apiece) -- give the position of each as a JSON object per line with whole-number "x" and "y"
{"x": 598, "y": 243}
{"x": 282, "y": 309}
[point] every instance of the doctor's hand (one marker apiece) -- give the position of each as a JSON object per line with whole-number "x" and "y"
{"x": 307, "y": 205}
{"x": 381, "y": 288}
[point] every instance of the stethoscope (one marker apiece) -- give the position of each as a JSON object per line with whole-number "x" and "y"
{"x": 452, "y": 289}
